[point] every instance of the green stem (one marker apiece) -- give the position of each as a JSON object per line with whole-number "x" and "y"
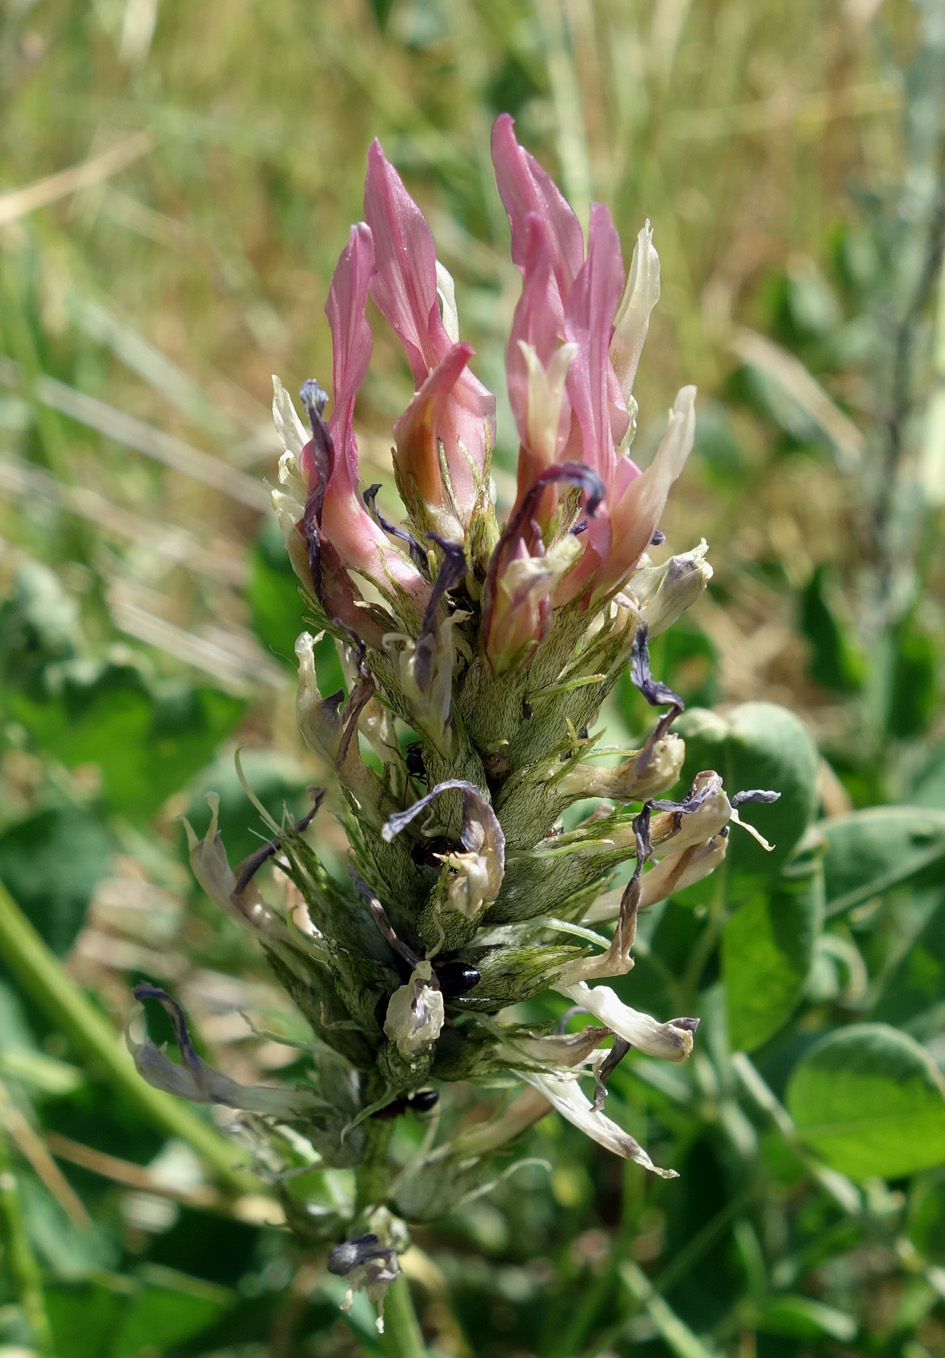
{"x": 43, "y": 977}
{"x": 19, "y": 1256}
{"x": 373, "y": 1172}
{"x": 402, "y": 1337}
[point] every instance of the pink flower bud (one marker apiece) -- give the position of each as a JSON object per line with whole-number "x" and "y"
{"x": 404, "y": 287}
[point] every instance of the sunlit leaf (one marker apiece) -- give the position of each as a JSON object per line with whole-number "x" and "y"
{"x": 51, "y": 863}
{"x": 145, "y": 743}
{"x": 870, "y": 1101}
{"x": 767, "y": 952}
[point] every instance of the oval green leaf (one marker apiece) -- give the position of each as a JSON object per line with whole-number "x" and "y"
{"x": 868, "y": 852}
{"x": 869, "y": 1101}
{"x": 767, "y": 953}
{"x": 757, "y": 745}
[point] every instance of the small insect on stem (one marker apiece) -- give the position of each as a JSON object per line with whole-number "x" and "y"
{"x": 420, "y": 1102}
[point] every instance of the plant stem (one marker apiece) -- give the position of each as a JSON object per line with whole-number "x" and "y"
{"x": 373, "y": 1171}
{"x": 18, "y": 1252}
{"x": 43, "y": 977}
{"x": 402, "y": 1337}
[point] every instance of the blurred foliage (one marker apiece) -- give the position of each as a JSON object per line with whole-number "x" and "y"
{"x": 177, "y": 182}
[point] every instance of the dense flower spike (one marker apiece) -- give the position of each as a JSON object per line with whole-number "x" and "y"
{"x": 476, "y": 658}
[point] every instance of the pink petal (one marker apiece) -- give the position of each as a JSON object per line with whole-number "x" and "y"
{"x": 429, "y": 420}
{"x": 589, "y": 320}
{"x": 538, "y": 321}
{"x": 638, "y": 510}
{"x": 525, "y": 187}
{"x": 404, "y": 286}
{"x": 350, "y": 331}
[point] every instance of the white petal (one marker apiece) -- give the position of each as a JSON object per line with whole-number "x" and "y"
{"x": 567, "y": 1097}
{"x": 416, "y": 1013}
{"x": 289, "y": 427}
{"x": 446, "y": 290}
{"x": 633, "y": 314}
{"x": 670, "y": 1041}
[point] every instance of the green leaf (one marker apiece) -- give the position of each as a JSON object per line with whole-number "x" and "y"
{"x": 757, "y": 745}
{"x": 802, "y": 1318}
{"x": 767, "y": 953}
{"x": 82, "y": 1318}
{"x": 113, "y": 1316}
{"x": 913, "y": 995}
{"x": 869, "y": 1101}
{"x": 868, "y": 852}
{"x": 39, "y": 625}
{"x": 907, "y": 671}
{"x": 276, "y": 605}
{"x": 763, "y": 391}
{"x": 51, "y": 863}
{"x": 69, "y": 1251}
{"x": 161, "y": 1317}
{"x": 926, "y": 1228}
{"x": 146, "y": 744}
{"x": 835, "y": 662}
{"x": 927, "y": 788}
{"x": 381, "y": 10}
{"x": 684, "y": 658}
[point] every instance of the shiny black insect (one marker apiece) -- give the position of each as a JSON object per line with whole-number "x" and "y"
{"x": 455, "y": 978}
{"x": 420, "y": 1102}
{"x": 413, "y": 757}
{"x": 425, "y": 852}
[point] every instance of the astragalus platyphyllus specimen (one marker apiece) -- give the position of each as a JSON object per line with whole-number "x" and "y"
{"x": 478, "y": 652}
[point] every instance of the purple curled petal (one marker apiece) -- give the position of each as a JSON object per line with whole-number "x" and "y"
{"x": 480, "y": 822}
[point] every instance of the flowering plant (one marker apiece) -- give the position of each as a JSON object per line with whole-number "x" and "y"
{"x": 478, "y": 654}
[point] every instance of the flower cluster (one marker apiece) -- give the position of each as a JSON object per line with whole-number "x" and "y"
{"x": 477, "y": 656}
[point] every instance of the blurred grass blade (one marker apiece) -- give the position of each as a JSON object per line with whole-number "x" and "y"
{"x": 19, "y": 1257}
{"x": 219, "y": 561}
{"x": 677, "y": 1336}
{"x": 143, "y": 358}
{"x": 789, "y": 372}
{"x": 20, "y": 202}
{"x": 68, "y": 1008}
{"x": 32, "y": 1147}
{"x": 143, "y": 438}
